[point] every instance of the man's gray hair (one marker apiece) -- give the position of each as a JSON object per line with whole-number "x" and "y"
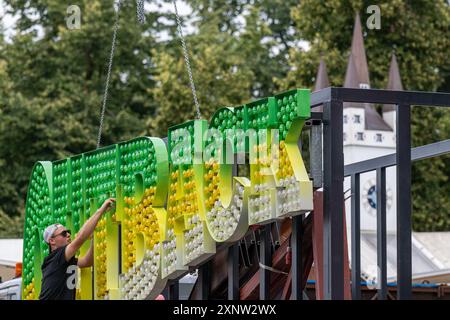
{"x": 48, "y": 232}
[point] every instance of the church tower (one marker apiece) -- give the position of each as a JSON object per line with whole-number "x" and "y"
{"x": 367, "y": 135}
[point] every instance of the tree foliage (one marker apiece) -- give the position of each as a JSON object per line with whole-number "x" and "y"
{"x": 52, "y": 82}
{"x": 52, "y": 78}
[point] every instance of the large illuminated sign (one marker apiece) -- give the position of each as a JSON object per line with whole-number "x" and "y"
{"x": 174, "y": 201}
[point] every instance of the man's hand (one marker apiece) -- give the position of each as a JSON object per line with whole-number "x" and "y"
{"x": 107, "y": 205}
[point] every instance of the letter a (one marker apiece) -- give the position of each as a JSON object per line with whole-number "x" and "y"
{"x": 374, "y": 21}
{"x": 74, "y": 20}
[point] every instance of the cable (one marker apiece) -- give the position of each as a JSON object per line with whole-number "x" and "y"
{"x": 140, "y": 11}
{"x": 186, "y": 59}
{"x": 263, "y": 266}
{"x": 108, "y": 76}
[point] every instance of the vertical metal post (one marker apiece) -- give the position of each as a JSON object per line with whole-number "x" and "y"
{"x": 233, "y": 256}
{"x": 165, "y": 292}
{"x": 297, "y": 261}
{"x": 119, "y": 253}
{"x": 265, "y": 260}
{"x": 244, "y": 253}
{"x": 404, "y": 225}
{"x": 174, "y": 290}
{"x": 333, "y": 200}
{"x": 381, "y": 234}
{"x": 204, "y": 276}
{"x": 233, "y": 272}
{"x": 356, "y": 237}
{"x": 315, "y": 156}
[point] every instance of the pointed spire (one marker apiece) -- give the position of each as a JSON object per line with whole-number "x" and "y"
{"x": 351, "y": 75}
{"x": 322, "y": 76}
{"x": 357, "y": 76}
{"x": 361, "y": 73}
{"x": 351, "y": 81}
{"x": 394, "y": 81}
{"x": 321, "y": 81}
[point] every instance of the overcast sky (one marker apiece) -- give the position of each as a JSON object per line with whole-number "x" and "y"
{"x": 8, "y": 21}
{"x": 184, "y": 10}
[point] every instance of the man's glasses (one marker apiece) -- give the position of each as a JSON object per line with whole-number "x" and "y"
{"x": 63, "y": 233}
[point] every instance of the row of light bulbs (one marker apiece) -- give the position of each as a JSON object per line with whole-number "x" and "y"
{"x": 224, "y": 220}
{"x": 212, "y": 180}
{"x": 100, "y": 259}
{"x": 289, "y": 196}
{"x": 138, "y": 282}
{"x": 30, "y": 291}
{"x": 260, "y": 208}
{"x": 259, "y": 205}
{"x": 169, "y": 253}
{"x": 194, "y": 239}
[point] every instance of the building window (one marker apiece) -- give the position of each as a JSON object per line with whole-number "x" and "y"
{"x": 364, "y": 86}
{"x": 379, "y": 137}
{"x": 359, "y": 136}
{"x": 345, "y": 136}
{"x": 345, "y": 118}
{"x": 357, "y": 118}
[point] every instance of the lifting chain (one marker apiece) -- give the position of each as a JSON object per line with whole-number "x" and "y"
{"x": 186, "y": 59}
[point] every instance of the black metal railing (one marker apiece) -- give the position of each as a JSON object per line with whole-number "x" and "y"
{"x": 379, "y": 165}
{"x": 332, "y": 100}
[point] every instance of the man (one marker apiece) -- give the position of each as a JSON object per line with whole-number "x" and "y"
{"x": 59, "y": 267}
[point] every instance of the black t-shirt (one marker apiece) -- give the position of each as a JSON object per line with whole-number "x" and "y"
{"x": 58, "y": 276}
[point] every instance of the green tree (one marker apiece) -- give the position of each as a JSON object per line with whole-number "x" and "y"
{"x": 220, "y": 72}
{"x": 264, "y": 31}
{"x": 11, "y": 227}
{"x": 52, "y": 82}
{"x": 238, "y": 49}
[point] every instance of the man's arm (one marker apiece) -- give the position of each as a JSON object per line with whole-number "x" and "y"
{"x": 87, "y": 230}
{"x": 88, "y": 259}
